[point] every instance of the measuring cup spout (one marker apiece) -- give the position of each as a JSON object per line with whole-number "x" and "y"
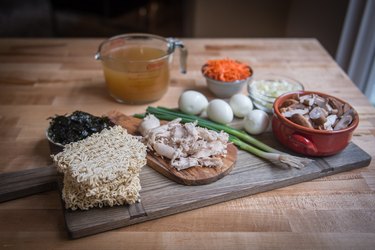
{"x": 97, "y": 56}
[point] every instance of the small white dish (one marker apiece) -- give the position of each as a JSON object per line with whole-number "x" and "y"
{"x": 226, "y": 89}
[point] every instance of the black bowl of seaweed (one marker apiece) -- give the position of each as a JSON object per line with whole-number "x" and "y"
{"x": 65, "y": 129}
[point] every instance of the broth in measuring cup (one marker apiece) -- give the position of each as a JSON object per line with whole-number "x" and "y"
{"x": 136, "y": 66}
{"x": 137, "y": 80}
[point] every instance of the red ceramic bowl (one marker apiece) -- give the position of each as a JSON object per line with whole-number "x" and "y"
{"x": 309, "y": 141}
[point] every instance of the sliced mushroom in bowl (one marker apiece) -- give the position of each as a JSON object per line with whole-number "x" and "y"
{"x": 313, "y": 123}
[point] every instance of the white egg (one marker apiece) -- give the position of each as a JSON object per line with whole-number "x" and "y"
{"x": 256, "y": 122}
{"x": 192, "y": 102}
{"x": 219, "y": 111}
{"x": 240, "y": 104}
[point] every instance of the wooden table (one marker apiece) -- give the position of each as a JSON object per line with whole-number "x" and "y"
{"x": 43, "y": 77}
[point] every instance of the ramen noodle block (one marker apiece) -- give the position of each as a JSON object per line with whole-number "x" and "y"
{"x": 102, "y": 170}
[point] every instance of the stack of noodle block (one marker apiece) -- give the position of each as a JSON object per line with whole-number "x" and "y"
{"x": 102, "y": 170}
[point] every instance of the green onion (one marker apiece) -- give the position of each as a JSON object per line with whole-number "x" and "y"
{"x": 238, "y": 137}
{"x": 232, "y": 131}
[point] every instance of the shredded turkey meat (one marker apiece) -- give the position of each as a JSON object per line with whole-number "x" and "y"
{"x": 186, "y": 145}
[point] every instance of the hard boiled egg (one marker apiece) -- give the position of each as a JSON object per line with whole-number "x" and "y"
{"x": 219, "y": 111}
{"x": 192, "y": 102}
{"x": 240, "y": 104}
{"x": 256, "y": 122}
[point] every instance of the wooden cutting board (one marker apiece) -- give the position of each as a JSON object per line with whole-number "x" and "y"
{"x": 19, "y": 184}
{"x": 191, "y": 176}
{"x": 161, "y": 196}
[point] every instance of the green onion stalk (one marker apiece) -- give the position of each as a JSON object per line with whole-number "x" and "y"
{"x": 238, "y": 137}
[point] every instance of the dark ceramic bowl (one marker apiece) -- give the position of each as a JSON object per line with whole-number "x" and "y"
{"x": 54, "y": 147}
{"x": 309, "y": 141}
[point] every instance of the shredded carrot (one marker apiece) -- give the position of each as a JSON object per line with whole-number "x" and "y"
{"x": 226, "y": 70}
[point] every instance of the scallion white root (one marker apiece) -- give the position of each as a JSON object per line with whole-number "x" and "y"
{"x": 290, "y": 161}
{"x": 280, "y": 159}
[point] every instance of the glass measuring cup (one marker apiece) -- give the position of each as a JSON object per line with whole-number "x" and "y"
{"x": 136, "y": 66}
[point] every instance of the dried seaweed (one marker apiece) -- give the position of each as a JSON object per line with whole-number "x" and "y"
{"x": 65, "y": 129}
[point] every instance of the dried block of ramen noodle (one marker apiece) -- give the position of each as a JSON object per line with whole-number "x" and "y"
{"x": 102, "y": 170}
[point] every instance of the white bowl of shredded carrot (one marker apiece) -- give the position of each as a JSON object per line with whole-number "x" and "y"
{"x": 226, "y": 77}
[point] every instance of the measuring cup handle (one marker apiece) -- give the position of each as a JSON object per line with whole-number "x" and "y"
{"x": 183, "y": 53}
{"x": 183, "y": 56}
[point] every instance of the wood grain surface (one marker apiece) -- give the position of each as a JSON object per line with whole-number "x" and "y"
{"x": 191, "y": 176}
{"x": 161, "y": 196}
{"x": 43, "y": 77}
{"x": 22, "y": 183}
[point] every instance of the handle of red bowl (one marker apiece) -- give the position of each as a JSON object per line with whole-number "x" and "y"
{"x": 301, "y": 142}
